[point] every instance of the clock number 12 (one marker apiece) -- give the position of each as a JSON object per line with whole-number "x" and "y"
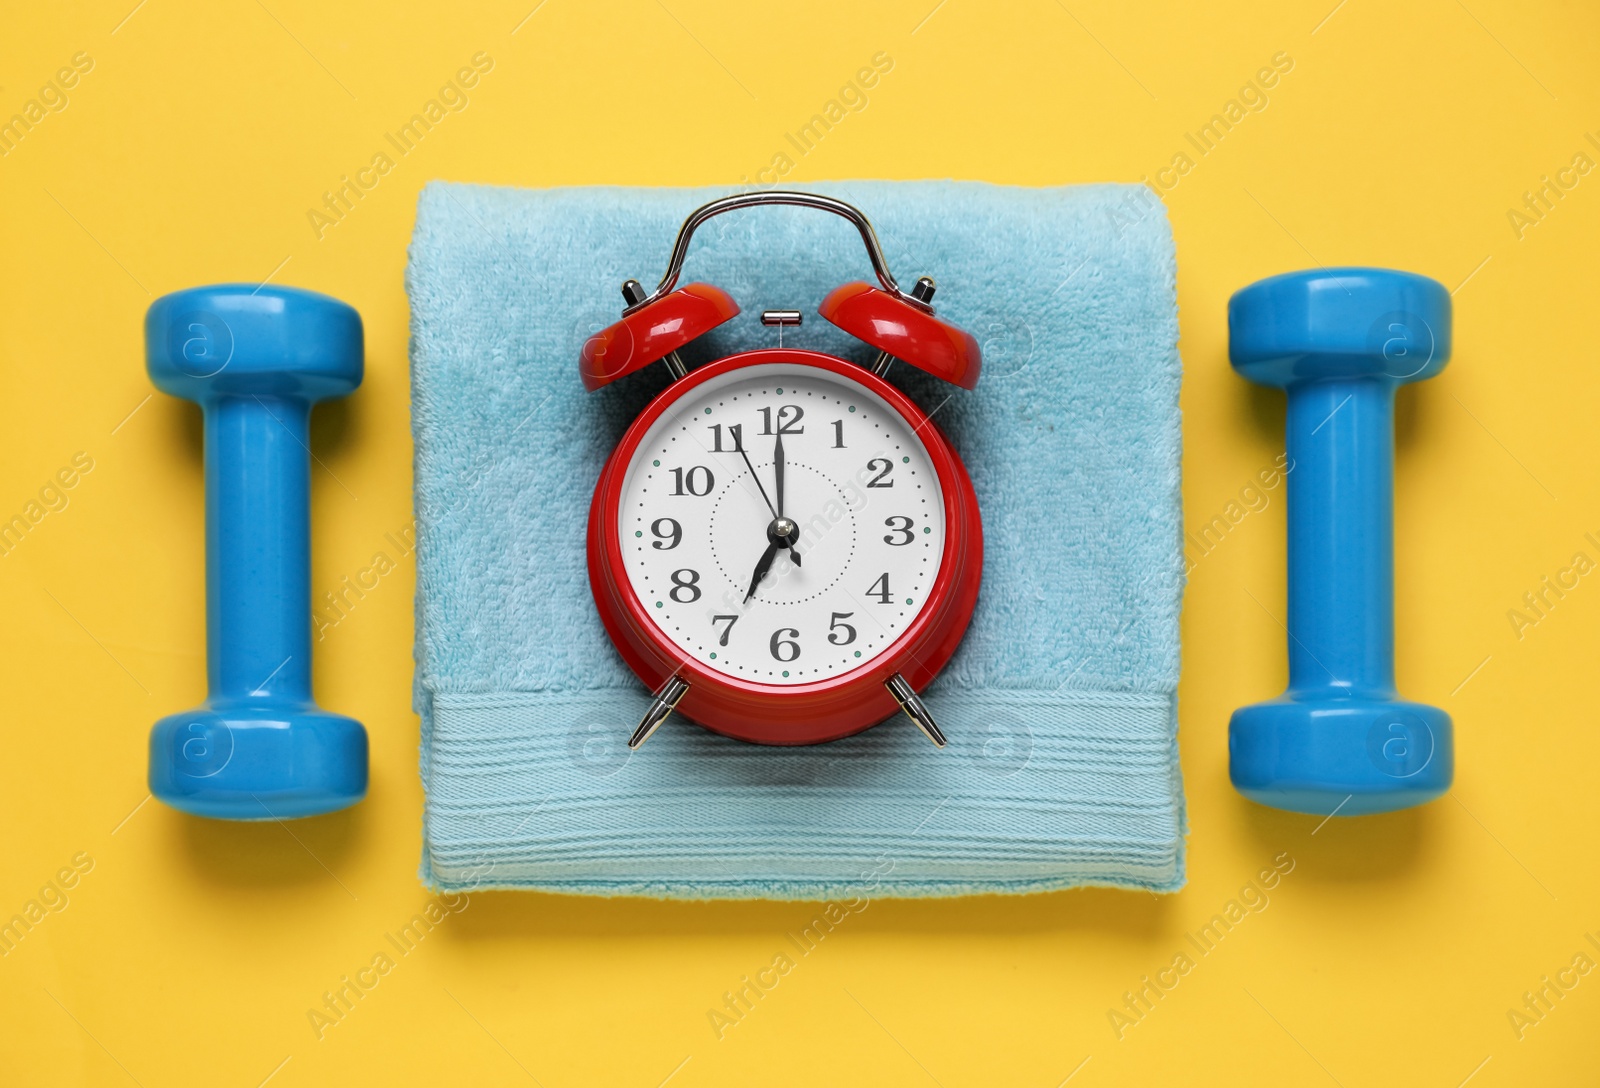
{"x": 787, "y": 424}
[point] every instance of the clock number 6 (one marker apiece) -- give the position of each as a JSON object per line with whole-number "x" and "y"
{"x": 779, "y": 641}
{"x": 685, "y": 580}
{"x": 834, "y": 627}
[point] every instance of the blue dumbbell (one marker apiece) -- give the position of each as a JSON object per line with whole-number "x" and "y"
{"x": 256, "y": 359}
{"x": 1340, "y": 342}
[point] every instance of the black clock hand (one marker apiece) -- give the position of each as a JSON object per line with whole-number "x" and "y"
{"x": 757, "y": 479}
{"x": 777, "y": 470}
{"x": 777, "y": 478}
{"x": 764, "y": 565}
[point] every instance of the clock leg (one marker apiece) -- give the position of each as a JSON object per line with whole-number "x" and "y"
{"x": 661, "y": 708}
{"x": 915, "y": 709}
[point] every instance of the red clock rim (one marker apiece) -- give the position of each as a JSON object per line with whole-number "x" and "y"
{"x": 960, "y": 524}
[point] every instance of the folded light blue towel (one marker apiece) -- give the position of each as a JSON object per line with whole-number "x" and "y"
{"x": 1060, "y": 705}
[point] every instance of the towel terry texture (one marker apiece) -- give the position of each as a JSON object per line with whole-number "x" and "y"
{"x": 1060, "y": 706}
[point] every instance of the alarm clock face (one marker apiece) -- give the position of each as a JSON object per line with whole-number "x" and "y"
{"x": 698, "y": 500}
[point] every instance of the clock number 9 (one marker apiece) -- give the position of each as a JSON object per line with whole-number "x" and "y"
{"x": 686, "y": 580}
{"x": 675, "y": 533}
{"x": 690, "y": 483}
{"x": 784, "y": 649}
{"x": 904, "y": 527}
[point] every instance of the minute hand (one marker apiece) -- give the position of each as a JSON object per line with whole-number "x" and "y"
{"x": 777, "y": 479}
{"x": 756, "y": 478}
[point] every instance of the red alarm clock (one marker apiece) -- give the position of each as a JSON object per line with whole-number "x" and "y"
{"x": 784, "y": 547}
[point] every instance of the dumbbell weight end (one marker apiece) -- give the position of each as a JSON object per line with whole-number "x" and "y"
{"x": 271, "y": 763}
{"x": 1349, "y": 758}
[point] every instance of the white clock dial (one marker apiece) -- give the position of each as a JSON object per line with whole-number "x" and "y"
{"x": 858, "y": 485}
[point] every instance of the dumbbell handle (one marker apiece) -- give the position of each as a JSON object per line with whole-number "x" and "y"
{"x": 258, "y": 531}
{"x": 1340, "y": 496}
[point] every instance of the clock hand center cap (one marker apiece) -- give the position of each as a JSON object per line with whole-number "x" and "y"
{"x": 783, "y": 531}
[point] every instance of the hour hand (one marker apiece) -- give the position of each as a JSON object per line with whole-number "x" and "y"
{"x": 764, "y": 565}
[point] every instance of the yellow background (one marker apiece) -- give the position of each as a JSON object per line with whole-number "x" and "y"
{"x": 192, "y": 152}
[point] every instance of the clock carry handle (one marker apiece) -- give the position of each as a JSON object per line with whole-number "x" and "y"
{"x": 900, "y": 324}
{"x": 680, "y": 248}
